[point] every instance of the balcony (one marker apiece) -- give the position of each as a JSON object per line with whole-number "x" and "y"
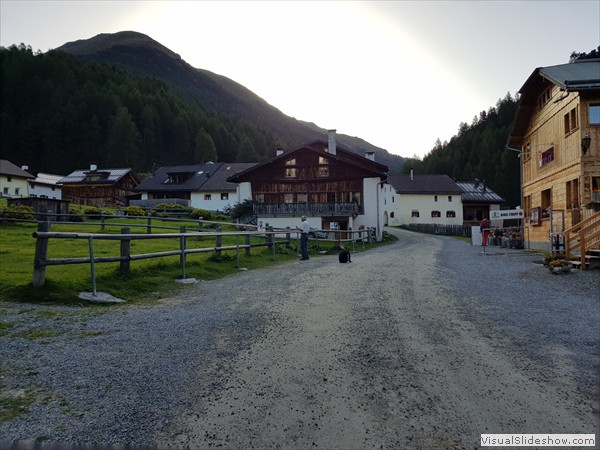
{"x": 308, "y": 209}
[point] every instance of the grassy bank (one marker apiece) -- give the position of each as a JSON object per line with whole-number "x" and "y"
{"x": 148, "y": 279}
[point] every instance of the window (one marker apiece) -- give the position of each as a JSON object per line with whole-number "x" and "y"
{"x": 573, "y": 194}
{"x": 527, "y": 205}
{"x": 435, "y": 198}
{"x": 596, "y": 189}
{"x": 322, "y": 171}
{"x": 302, "y": 197}
{"x": 450, "y": 214}
{"x": 436, "y": 214}
{"x": 207, "y": 196}
{"x": 544, "y": 98}
{"x": 224, "y": 196}
{"x": 17, "y": 191}
{"x": 331, "y": 197}
{"x": 526, "y": 151}
{"x": 9, "y": 179}
{"x": 288, "y": 198}
{"x": 5, "y": 191}
{"x": 594, "y": 114}
{"x": 450, "y": 198}
{"x": 546, "y": 202}
{"x": 291, "y": 172}
{"x": 414, "y": 213}
{"x": 259, "y": 198}
{"x": 571, "y": 122}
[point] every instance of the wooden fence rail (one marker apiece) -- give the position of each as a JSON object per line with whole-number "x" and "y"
{"x": 43, "y": 236}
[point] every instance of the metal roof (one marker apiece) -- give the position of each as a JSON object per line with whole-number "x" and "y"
{"x": 478, "y": 192}
{"x": 576, "y": 76}
{"x": 424, "y": 184}
{"x": 107, "y": 176}
{"x": 193, "y": 178}
{"x": 47, "y": 179}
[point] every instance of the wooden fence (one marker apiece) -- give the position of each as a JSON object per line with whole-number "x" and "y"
{"x": 43, "y": 235}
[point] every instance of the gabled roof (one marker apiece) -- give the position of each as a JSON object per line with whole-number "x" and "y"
{"x": 424, "y": 184}
{"x": 578, "y": 76}
{"x": 477, "y": 192}
{"x": 105, "y": 176}
{"x": 193, "y": 178}
{"x": 9, "y": 169}
{"x": 320, "y": 147}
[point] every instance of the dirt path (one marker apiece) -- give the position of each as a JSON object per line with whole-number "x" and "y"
{"x": 377, "y": 353}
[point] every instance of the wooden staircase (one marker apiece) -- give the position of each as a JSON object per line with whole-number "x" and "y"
{"x": 582, "y": 243}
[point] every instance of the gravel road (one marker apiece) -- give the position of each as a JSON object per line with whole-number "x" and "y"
{"x": 427, "y": 343}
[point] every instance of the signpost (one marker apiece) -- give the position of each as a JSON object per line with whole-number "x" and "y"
{"x": 505, "y": 214}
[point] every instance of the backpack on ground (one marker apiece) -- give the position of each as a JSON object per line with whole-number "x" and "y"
{"x": 344, "y": 256}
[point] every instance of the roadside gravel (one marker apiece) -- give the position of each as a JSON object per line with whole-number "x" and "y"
{"x": 426, "y": 343}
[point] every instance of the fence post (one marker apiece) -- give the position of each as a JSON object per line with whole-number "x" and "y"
{"x": 200, "y": 226}
{"x": 288, "y": 235}
{"x": 149, "y": 227}
{"x": 41, "y": 251}
{"x": 102, "y": 219}
{"x": 182, "y": 242}
{"x": 219, "y": 241}
{"x": 248, "y": 245}
{"x": 125, "y": 251}
{"x": 270, "y": 241}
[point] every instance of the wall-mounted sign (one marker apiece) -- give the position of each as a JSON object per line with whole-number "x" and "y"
{"x": 546, "y": 157}
{"x": 506, "y": 214}
{"x": 535, "y": 216}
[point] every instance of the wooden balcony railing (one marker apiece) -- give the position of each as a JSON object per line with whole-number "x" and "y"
{"x": 316, "y": 209}
{"x": 582, "y": 237}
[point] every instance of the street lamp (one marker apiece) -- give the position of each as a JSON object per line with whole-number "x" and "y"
{"x": 586, "y": 141}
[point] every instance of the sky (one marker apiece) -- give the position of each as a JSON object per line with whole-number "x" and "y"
{"x": 398, "y": 74}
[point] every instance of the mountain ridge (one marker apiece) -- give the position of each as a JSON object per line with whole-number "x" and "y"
{"x": 142, "y": 56}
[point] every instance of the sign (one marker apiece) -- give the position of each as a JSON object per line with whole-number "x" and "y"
{"x": 503, "y": 214}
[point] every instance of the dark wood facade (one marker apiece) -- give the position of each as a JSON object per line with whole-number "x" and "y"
{"x": 103, "y": 193}
{"x": 311, "y": 180}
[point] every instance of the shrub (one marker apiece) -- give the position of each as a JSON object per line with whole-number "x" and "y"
{"x": 21, "y": 213}
{"x": 92, "y": 211}
{"x": 169, "y": 206}
{"x": 134, "y": 211}
{"x": 199, "y": 213}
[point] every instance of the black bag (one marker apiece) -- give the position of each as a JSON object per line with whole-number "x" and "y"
{"x": 344, "y": 256}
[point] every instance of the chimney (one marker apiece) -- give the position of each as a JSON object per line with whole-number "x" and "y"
{"x": 93, "y": 167}
{"x": 25, "y": 168}
{"x": 279, "y": 151}
{"x": 331, "y": 146}
{"x": 370, "y": 155}
{"x": 412, "y": 175}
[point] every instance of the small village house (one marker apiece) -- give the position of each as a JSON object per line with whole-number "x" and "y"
{"x": 46, "y": 185}
{"x": 198, "y": 186}
{"x": 14, "y": 180}
{"x": 103, "y": 188}
{"x": 422, "y": 199}
{"x": 478, "y": 200}
{"x": 557, "y": 133}
{"x": 332, "y": 186}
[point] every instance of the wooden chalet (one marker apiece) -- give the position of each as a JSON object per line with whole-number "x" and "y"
{"x": 328, "y": 184}
{"x": 557, "y": 133}
{"x": 108, "y": 188}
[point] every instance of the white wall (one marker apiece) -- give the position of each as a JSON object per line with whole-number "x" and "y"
{"x": 197, "y": 200}
{"x": 41, "y": 190}
{"x": 373, "y": 212}
{"x": 16, "y": 187}
{"x": 425, "y": 204}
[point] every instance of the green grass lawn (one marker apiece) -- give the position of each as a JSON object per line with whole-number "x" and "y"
{"x": 147, "y": 280}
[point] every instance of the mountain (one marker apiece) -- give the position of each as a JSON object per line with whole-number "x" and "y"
{"x": 140, "y": 55}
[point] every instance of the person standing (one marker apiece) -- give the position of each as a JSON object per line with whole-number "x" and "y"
{"x": 304, "y": 228}
{"x": 485, "y": 231}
